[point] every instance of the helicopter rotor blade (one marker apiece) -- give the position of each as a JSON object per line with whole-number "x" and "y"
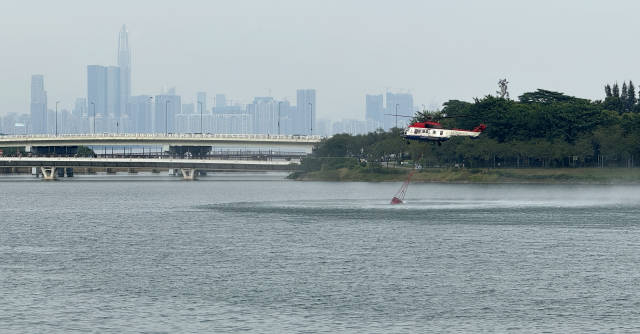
{"x": 399, "y": 115}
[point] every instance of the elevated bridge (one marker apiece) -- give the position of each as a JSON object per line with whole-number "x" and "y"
{"x": 51, "y": 167}
{"x": 280, "y": 142}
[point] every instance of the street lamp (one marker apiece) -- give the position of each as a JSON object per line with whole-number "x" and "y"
{"x": 397, "y": 104}
{"x": 94, "y": 116}
{"x": 311, "y": 111}
{"x": 147, "y": 121}
{"x": 166, "y": 113}
{"x": 200, "y": 105}
{"x": 279, "y": 102}
{"x": 57, "y": 102}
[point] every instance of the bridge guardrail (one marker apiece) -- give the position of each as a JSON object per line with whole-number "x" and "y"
{"x": 167, "y": 136}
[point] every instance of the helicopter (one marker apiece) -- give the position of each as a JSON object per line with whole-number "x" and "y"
{"x": 432, "y": 131}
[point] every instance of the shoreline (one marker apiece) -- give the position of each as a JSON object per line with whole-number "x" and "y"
{"x": 603, "y": 176}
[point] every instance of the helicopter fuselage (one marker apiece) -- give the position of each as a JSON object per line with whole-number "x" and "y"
{"x": 432, "y": 131}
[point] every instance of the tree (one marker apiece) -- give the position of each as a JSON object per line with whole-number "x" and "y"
{"x": 607, "y": 91}
{"x": 631, "y": 95}
{"x": 624, "y": 96}
{"x": 616, "y": 90}
{"x": 545, "y": 96}
{"x": 503, "y": 92}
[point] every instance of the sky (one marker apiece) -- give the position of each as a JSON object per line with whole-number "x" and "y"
{"x": 436, "y": 50}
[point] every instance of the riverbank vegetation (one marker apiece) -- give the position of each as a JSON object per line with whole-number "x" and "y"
{"x": 539, "y": 130}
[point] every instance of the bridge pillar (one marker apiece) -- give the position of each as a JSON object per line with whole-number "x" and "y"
{"x": 48, "y": 173}
{"x": 189, "y": 173}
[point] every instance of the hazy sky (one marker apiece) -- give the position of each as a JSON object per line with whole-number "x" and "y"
{"x": 437, "y": 50}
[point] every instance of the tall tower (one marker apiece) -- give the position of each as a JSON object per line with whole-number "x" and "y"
{"x": 97, "y": 97}
{"x": 38, "y": 105}
{"x": 374, "y": 108}
{"x": 124, "y": 62}
{"x": 305, "y": 118}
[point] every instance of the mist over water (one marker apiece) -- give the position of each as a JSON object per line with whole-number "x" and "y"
{"x": 257, "y": 253}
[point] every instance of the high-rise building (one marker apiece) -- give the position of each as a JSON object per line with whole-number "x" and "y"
{"x": 79, "y": 117}
{"x": 97, "y": 97}
{"x": 104, "y": 100}
{"x": 375, "y": 108}
{"x": 38, "y": 104}
{"x": 124, "y": 62}
{"x": 305, "y": 118}
{"x": 401, "y": 103}
{"x": 202, "y": 102}
{"x": 113, "y": 96}
{"x": 167, "y": 107}
{"x": 221, "y": 102}
{"x": 183, "y": 119}
{"x": 140, "y": 115}
{"x": 264, "y": 115}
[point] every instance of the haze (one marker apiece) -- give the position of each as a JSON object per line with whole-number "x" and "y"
{"x": 437, "y": 50}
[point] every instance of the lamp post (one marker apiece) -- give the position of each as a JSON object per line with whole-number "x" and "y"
{"x": 200, "y": 105}
{"x": 311, "y": 112}
{"x": 94, "y": 116}
{"x": 147, "y": 121}
{"x": 279, "y": 102}
{"x": 397, "y": 115}
{"x": 57, "y": 102}
{"x": 166, "y": 113}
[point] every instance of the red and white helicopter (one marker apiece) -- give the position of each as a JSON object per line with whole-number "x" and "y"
{"x": 433, "y": 131}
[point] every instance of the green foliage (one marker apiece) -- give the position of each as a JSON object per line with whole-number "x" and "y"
{"x": 541, "y": 129}
{"x": 12, "y": 151}
{"x": 84, "y": 151}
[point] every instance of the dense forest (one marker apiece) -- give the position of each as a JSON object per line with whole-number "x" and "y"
{"x": 540, "y": 129}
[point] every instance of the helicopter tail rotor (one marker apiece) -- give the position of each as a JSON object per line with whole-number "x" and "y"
{"x": 479, "y": 128}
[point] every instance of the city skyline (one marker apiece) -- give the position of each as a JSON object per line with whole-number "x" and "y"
{"x": 343, "y": 49}
{"x": 110, "y": 107}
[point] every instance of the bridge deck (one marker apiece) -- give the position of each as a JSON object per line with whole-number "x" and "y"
{"x": 160, "y": 139}
{"x": 145, "y": 163}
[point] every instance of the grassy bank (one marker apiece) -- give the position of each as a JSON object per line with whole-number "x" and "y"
{"x": 461, "y": 175}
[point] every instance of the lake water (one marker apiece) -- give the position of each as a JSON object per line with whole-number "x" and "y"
{"x": 256, "y": 253}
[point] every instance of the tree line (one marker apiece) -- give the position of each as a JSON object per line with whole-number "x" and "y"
{"x": 540, "y": 129}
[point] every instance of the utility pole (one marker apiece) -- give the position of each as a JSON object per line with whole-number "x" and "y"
{"x": 279, "y": 102}
{"x": 94, "y": 116}
{"x": 166, "y": 112}
{"x": 397, "y": 115}
{"x": 57, "y": 102}
{"x": 311, "y": 111}
{"x": 200, "y": 105}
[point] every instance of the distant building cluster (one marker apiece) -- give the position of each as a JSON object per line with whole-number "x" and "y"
{"x": 381, "y": 112}
{"x": 109, "y": 106}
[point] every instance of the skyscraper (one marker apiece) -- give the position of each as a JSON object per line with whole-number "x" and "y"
{"x": 114, "y": 96}
{"x": 202, "y": 102}
{"x": 221, "y": 103}
{"x": 96, "y": 96}
{"x": 375, "y": 108}
{"x": 38, "y": 104}
{"x": 124, "y": 62}
{"x": 264, "y": 114}
{"x": 305, "y": 118}
{"x": 167, "y": 107}
{"x": 140, "y": 114}
{"x": 403, "y": 104}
